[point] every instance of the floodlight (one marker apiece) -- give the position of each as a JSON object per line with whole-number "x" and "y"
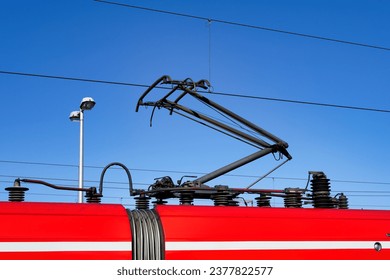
{"x": 74, "y": 116}
{"x": 87, "y": 103}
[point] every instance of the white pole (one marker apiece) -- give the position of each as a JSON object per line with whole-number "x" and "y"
{"x": 81, "y": 160}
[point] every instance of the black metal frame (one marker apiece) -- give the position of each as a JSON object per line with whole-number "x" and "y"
{"x": 189, "y": 87}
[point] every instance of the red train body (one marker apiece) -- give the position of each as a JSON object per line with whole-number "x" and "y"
{"x": 105, "y": 231}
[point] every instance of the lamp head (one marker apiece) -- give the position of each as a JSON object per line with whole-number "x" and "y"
{"x": 87, "y": 103}
{"x": 74, "y": 116}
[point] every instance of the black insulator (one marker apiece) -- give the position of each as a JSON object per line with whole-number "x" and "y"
{"x": 263, "y": 200}
{"x": 16, "y": 194}
{"x": 343, "y": 201}
{"x": 321, "y": 191}
{"x": 186, "y": 198}
{"x": 160, "y": 201}
{"x": 142, "y": 202}
{"x": 224, "y": 199}
{"x": 222, "y": 196}
{"x": 293, "y": 201}
{"x": 94, "y": 199}
{"x": 221, "y": 199}
{"x": 92, "y": 196}
{"x": 293, "y": 198}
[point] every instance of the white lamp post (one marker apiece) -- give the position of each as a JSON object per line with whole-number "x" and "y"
{"x": 86, "y": 104}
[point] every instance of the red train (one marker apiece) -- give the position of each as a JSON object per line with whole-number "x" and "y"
{"x": 92, "y": 230}
{"x": 104, "y": 231}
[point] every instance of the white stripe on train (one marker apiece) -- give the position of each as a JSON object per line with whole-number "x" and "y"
{"x": 64, "y": 246}
{"x": 191, "y": 246}
{"x": 274, "y": 245}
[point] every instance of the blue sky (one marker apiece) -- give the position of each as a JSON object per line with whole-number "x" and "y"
{"x": 86, "y": 39}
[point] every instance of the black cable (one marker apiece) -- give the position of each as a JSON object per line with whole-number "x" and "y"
{"x": 303, "y": 102}
{"x": 69, "y": 180}
{"x": 171, "y": 171}
{"x": 247, "y": 25}
{"x": 94, "y": 166}
{"x": 215, "y": 93}
{"x": 72, "y": 79}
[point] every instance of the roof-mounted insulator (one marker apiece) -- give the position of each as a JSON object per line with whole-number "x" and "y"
{"x": 159, "y": 201}
{"x": 92, "y": 196}
{"x": 142, "y": 202}
{"x": 263, "y": 200}
{"x": 222, "y": 196}
{"x": 293, "y": 198}
{"x": 321, "y": 191}
{"x": 187, "y": 197}
{"x": 342, "y": 201}
{"x": 16, "y": 192}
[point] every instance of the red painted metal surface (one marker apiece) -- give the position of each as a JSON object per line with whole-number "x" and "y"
{"x": 297, "y": 233}
{"x": 79, "y": 231}
{"x": 88, "y": 231}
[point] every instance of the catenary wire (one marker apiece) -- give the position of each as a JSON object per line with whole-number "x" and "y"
{"x": 377, "y": 110}
{"x": 176, "y": 172}
{"x": 258, "y": 27}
